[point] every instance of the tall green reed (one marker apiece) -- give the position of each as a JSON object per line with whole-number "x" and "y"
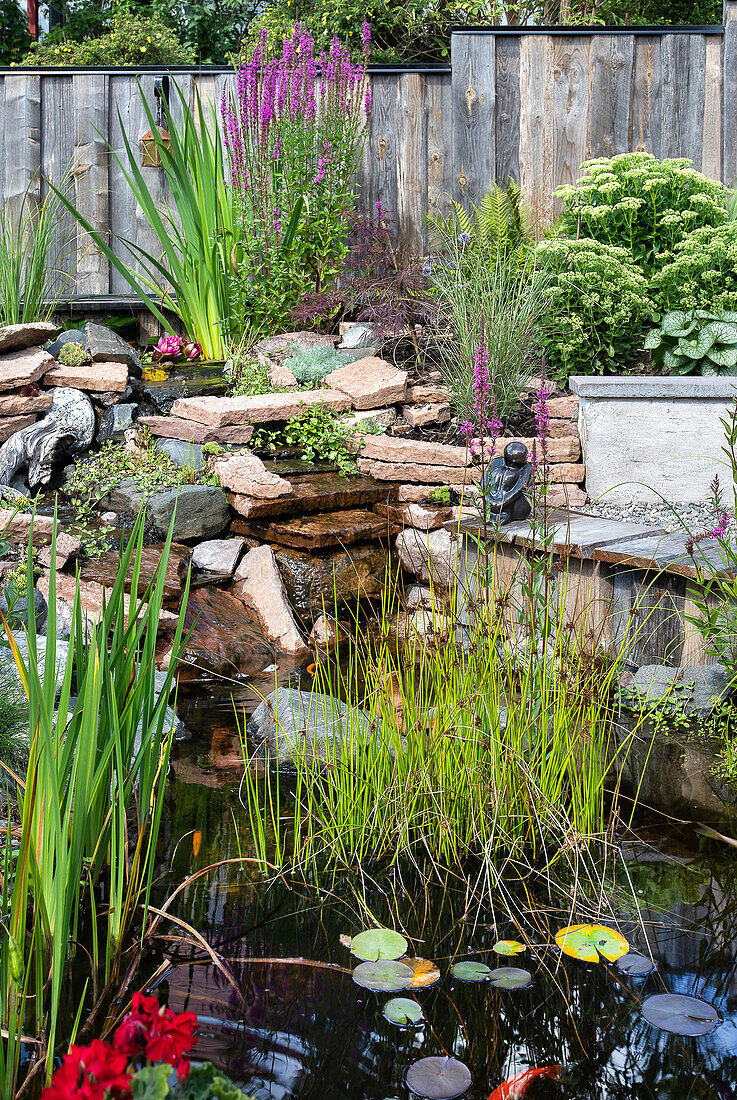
{"x": 97, "y": 766}
{"x": 197, "y": 234}
{"x": 31, "y": 279}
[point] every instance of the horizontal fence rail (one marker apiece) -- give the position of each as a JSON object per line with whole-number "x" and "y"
{"x": 523, "y": 103}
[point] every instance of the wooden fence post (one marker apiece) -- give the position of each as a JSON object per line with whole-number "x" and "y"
{"x": 90, "y": 171}
{"x": 22, "y": 140}
{"x": 473, "y": 61}
{"x": 729, "y": 94}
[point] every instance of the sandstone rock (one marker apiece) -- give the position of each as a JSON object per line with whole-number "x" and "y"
{"x": 18, "y": 526}
{"x": 370, "y": 383}
{"x": 104, "y": 569}
{"x": 414, "y": 515}
{"x": 217, "y": 412}
{"x": 572, "y": 473}
{"x": 421, "y": 416}
{"x": 332, "y": 580}
{"x": 299, "y": 724}
{"x": 67, "y": 547}
{"x": 561, "y": 428}
{"x": 383, "y": 418}
{"x": 560, "y": 448}
{"x": 563, "y": 407}
{"x": 173, "y": 427}
{"x": 385, "y": 448}
{"x": 430, "y": 555}
{"x": 15, "y": 404}
{"x": 23, "y": 368}
{"x": 33, "y": 334}
{"x": 201, "y": 511}
{"x": 225, "y": 640}
{"x": 107, "y": 346}
{"x": 317, "y": 531}
{"x": 92, "y": 597}
{"x": 407, "y": 471}
{"x": 281, "y": 377}
{"x": 92, "y": 376}
{"x": 9, "y": 425}
{"x": 313, "y": 493}
{"x": 246, "y": 474}
{"x": 425, "y": 394}
{"x": 418, "y": 494}
{"x": 218, "y": 555}
{"x": 566, "y": 496}
{"x": 326, "y": 634}
{"x": 259, "y": 585}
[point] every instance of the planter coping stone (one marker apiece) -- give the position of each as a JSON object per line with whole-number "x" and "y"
{"x": 694, "y": 387}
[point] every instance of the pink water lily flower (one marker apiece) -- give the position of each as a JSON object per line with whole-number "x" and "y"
{"x": 168, "y": 347}
{"x": 192, "y": 350}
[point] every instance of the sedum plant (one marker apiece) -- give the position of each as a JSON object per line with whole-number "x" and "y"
{"x": 702, "y": 270}
{"x": 600, "y": 301}
{"x": 73, "y": 355}
{"x": 645, "y": 205}
{"x": 697, "y": 342}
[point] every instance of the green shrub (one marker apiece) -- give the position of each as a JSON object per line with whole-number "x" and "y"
{"x": 645, "y": 205}
{"x": 697, "y": 342}
{"x": 599, "y": 302}
{"x": 131, "y": 40}
{"x": 15, "y": 38}
{"x": 702, "y": 271}
{"x": 309, "y": 365}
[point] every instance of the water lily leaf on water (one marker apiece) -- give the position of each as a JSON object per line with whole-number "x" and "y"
{"x": 378, "y": 943}
{"x": 510, "y": 977}
{"x": 590, "y": 941}
{"x": 470, "y": 971}
{"x": 383, "y": 976}
{"x": 637, "y": 966}
{"x": 509, "y": 947}
{"x": 403, "y": 1012}
{"x": 426, "y": 972}
{"x": 681, "y": 1015}
{"x": 438, "y": 1078}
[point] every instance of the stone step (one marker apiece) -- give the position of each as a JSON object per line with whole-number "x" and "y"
{"x": 23, "y": 368}
{"x": 314, "y": 493}
{"x": 216, "y": 412}
{"x": 174, "y": 427}
{"x": 319, "y": 531}
{"x": 104, "y": 570}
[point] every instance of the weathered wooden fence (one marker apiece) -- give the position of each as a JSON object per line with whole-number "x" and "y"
{"x": 526, "y": 103}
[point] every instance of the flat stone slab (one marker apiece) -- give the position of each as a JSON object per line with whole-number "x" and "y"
{"x": 387, "y": 448}
{"x": 421, "y": 416}
{"x": 104, "y": 570}
{"x": 218, "y": 555}
{"x": 28, "y": 335}
{"x": 407, "y": 471}
{"x": 574, "y": 535}
{"x": 98, "y": 377}
{"x": 323, "y": 530}
{"x": 314, "y": 493}
{"x": 16, "y": 404}
{"x": 369, "y": 382}
{"x": 428, "y": 393}
{"x": 657, "y": 386}
{"x": 189, "y": 431}
{"x": 23, "y": 368}
{"x": 244, "y": 473}
{"x": 415, "y": 515}
{"x": 18, "y": 525}
{"x": 11, "y": 424}
{"x": 661, "y": 551}
{"x": 219, "y": 411}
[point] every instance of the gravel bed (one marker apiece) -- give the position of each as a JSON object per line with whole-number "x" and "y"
{"x": 670, "y": 517}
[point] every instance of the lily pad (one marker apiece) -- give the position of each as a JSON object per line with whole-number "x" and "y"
{"x": 438, "y": 1078}
{"x": 383, "y": 976}
{"x": 679, "y": 1014}
{"x": 637, "y": 966}
{"x": 426, "y": 973}
{"x": 470, "y": 971}
{"x": 510, "y": 977}
{"x": 403, "y": 1011}
{"x": 378, "y": 943}
{"x": 509, "y": 947}
{"x": 590, "y": 941}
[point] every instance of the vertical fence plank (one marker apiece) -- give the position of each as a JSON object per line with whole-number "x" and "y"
{"x": 506, "y": 137}
{"x": 535, "y": 145}
{"x": 683, "y": 55}
{"x": 22, "y": 138}
{"x": 383, "y": 143}
{"x": 644, "y": 134}
{"x": 57, "y": 163}
{"x": 90, "y": 92}
{"x": 729, "y": 94}
{"x": 411, "y": 166}
{"x": 711, "y": 155}
{"x": 439, "y": 110}
{"x": 569, "y": 76}
{"x": 474, "y": 158}
{"x": 611, "y": 59}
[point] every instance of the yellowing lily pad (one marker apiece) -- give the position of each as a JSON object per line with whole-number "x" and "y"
{"x": 378, "y": 943}
{"x": 591, "y": 942}
{"x": 509, "y": 947}
{"x": 426, "y": 973}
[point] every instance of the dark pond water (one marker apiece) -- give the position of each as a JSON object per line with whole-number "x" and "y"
{"x": 294, "y": 1024}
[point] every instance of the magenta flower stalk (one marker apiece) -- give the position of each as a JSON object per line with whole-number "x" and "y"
{"x": 541, "y": 413}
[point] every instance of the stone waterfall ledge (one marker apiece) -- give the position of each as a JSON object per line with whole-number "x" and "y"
{"x": 645, "y": 439}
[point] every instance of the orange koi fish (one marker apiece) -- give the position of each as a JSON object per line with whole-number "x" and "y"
{"x": 517, "y": 1086}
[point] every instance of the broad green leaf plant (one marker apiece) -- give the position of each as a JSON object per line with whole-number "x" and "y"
{"x": 695, "y": 342}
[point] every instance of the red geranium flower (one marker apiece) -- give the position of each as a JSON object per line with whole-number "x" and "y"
{"x": 171, "y": 1037}
{"x": 95, "y": 1072}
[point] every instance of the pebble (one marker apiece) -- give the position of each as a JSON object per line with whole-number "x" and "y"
{"x": 678, "y": 516}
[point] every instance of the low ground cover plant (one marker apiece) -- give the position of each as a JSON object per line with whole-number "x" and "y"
{"x": 317, "y": 434}
{"x": 695, "y": 342}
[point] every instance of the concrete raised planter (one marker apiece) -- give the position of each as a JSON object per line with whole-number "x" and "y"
{"x": 648, "y": 438}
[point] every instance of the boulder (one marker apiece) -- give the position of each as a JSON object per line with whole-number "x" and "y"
{"x": 294, "y": 724}
{"x": 259, "y": 585}
{"x": 218, "y": 555}
{"x": 189, "y": 455}
{"x": 68, "y": 336}
{"x": 20, "y": 609}
{"x": 126, "y": 496}
{"x": 23, "y": 368}
{"x": 202, "y": 511}
{"x": 225, "y": 641}
{"x": 430, "y": 555}
{"x": 386, "y": 448}
{"x": 216, "y": 412}
{"x": 358, "y": 336}
{"x": 695, "y": 688}
{"x": 107, "y": 346}
{"x": 98, "y": 376}
{"x": 32, "y": 334}
{"x": 10, "y": 669}
{"x": 245, "y": 474}
{"x": 116, "y": 420}
{"x": 68, "y": 428}
{"x": 370, "y": 383}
